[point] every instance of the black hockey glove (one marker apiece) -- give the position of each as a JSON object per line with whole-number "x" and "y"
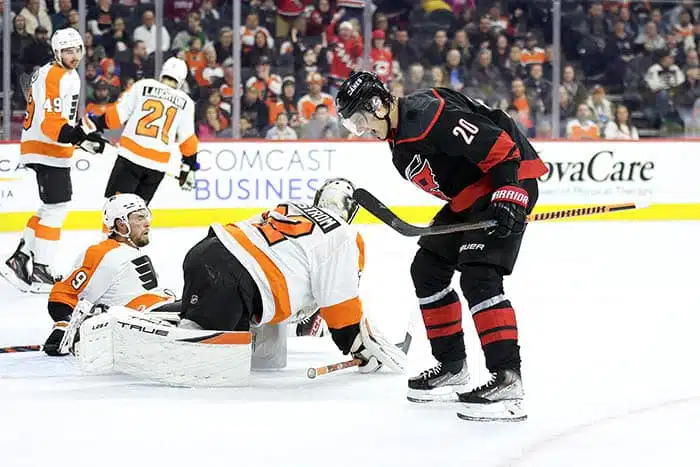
{"x": 509, "y": 209}
{"x": 188, "y": 166}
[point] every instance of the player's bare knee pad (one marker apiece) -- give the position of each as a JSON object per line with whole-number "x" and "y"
{"x": 430, "y": 273}
{"x": 481, "y": 282}
{"x": 269, "y": 347}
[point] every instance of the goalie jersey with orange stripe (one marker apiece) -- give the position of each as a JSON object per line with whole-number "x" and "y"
{"x": 157, "y": 117}
{"x": 302, "y": 258}
{"x": 112, "y": 273}
{"x": 52, "y": 101}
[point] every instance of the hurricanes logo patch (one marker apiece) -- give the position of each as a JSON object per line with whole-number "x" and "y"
{"x": 420, "y": 173}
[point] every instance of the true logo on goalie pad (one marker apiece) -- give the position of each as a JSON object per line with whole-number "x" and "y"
{"x": 144, "y": 329}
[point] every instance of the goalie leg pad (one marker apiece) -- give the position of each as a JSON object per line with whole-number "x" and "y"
{"x": 132, "y": 343}
{"x": 269, "y": 347}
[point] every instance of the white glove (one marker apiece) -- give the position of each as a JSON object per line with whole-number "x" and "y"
{"x": 186, "y": 177}
{"x": 375, "y": 350}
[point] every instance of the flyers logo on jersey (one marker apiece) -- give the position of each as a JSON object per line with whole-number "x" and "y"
{"x": 420, "y": 173}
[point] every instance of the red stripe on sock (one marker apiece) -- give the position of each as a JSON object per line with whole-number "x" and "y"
{"x": 445, "y": 331}
{"x": 506, "y": 334}
{"x": 494, "y": 318}
{"x": 442, "y": 315}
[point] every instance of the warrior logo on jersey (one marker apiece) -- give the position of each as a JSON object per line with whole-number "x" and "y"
{"x": 420, "y": 173}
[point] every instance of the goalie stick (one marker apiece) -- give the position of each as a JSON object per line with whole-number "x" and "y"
{"x": 368, "y": 201}
{"x": 311, "y": 373}
{"x": 22, "y": 348}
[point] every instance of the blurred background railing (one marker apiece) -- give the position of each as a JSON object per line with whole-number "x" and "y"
{"x": 577, "y": 69}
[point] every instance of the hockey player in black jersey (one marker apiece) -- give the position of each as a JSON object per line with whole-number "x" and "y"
{"x": 475, "y": 159}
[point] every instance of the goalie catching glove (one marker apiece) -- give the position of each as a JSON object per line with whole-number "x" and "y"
{"x": 375, "y": 350}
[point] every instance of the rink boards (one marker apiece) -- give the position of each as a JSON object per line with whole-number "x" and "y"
{"x": 239, "y": 178}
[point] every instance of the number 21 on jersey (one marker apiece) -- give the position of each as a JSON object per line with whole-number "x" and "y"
{"x": 148, "y": 125}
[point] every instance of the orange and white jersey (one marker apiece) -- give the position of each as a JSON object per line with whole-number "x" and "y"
{"x": 157, "y": 116}
{"x": 51, "y": 103}
{"x": 302, "y": 258}
{"x": 112, "y": 273}
{"x": 307, "y": 105}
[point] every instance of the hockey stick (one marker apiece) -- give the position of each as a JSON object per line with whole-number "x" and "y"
{"x": 22, "y": 348}
{"x": 311, "y": 373}
{"x": 368, "y": 201}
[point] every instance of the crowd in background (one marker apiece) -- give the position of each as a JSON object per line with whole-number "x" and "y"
{"x": 630, "y": 69}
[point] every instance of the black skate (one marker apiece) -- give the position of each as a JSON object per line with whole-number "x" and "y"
{"x": 440, "y": 383}
{"x": 312, "y": 325}
{"x": 17, "y": 269}
{"x": 42, "y": 280}
{"x": 501, "y": 399}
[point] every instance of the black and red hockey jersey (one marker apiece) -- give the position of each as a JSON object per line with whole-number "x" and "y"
{"x": 446, "y": 144}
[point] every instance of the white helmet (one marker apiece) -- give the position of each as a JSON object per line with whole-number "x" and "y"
{"x": 65, "y": 39}
{"x": 176, "y": 69}
{"x": 336, "y": 195}
{"x": 119, "y": 207}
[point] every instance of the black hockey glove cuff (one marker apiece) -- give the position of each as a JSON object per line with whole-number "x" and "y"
{"x": 344, "y": 337}
{"x": 509, "y": 209}
{"x": 71, "y": 134}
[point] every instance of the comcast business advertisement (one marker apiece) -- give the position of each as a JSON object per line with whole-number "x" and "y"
{"x": 260, "y": 174}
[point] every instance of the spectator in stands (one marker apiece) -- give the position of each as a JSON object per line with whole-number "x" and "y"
{"x": 211, "y": 126}
{"x": 2, "y": 12}
{"x": 59, "y": 20}
{"x": 286, "y": 103}
{"x": 248, "y": 131}
{"x": 461, "y": 43}
{"x": 513, "y": 68}
{"x": 212, "y": 75}
{"x": 146, "y": 33}
{"x": 178, "y": 11}
{"x": 532, "y": 53}
{"x": 691, "y": 60}
{"x": 594, "y": 30}
{"x": 621, "y": 126}
{"x": 322, "y": 125}
{"x": 345, "y": 51}
{"x": 74, "y": 20}
{"x": 249, "y": 31}
{"x": 650, "y": 40}
{"x": 194, "y": 57}
{"x": 436, "y": 53}
{"x": 138, "y": 66}
{"x": 658, "y": 19}
{"x": 631, "y": 26}
{"x": 539, "y": 88}
{"x": 224, "y": 46}
{"x": 582, "y": 127}
{"x": 319, "y": 18}
{"x": 308, "y": 103}
{"x": 663, "y": 78}
{"x": 455, "y": 71}
{"x": 521, "y": 108}
{"x": 100, "y": 18}
{"x": 35, "y": 15}
{"x": 281, "y": 129}
{"x": 223, "y": 108}
{"x": 93, "y": 52}
{"x": 404, "y": 51}
{"x": 39, "y": 51}
{"x": 684, "y": 27}
{"x": 575, "y": 89}
{"x": 194, "y": 29}
{"x": 97, "y": 104}
{"x": 438, "y": 77}
{"x": 107, "y": 68}
{"x": 269, "y": 85}
{"x": 20, "y": 39}
{"x": 380, "y": 57}
{"x": 601, "y": 108}
{"x": 567, "y": 108}
{"x": 260, "y": 48}
{"x": 416, "y": 79}
{"x": 486, "y": 78}
{"x": 254, "y": 109}
{"x": 117, "y": 39}
{"x": 501, "y": 54}
{"x": 287, "y": 12}
{"x": 618, "y": 53}
{"x": 209, "y": 17}
{"x": 484, "y": 37}
{"x": 686, "y": 98}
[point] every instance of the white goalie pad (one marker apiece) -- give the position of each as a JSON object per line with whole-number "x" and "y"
{"x": 379, "y": 347}
{"x": 126, "y": 341}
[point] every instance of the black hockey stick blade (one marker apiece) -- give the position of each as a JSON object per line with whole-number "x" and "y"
{"x": 368, "y": 201}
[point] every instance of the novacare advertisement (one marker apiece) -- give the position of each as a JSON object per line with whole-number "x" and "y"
{"x": 237, "y": 178}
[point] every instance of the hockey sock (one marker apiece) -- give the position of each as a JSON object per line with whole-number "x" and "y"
{"x": 442, "y": 316}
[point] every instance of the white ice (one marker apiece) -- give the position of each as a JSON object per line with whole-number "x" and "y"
{"x": 608, "y": 316}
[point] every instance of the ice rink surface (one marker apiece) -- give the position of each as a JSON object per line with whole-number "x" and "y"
{"x": 608, "y": 316}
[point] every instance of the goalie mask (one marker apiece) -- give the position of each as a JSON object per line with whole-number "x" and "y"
{"x": 119, "y": 207}
{"x": 359, "y": 98}
{"x": 336, "y": 196}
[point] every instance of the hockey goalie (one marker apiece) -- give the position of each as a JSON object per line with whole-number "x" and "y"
{"x": 242, "y": 283}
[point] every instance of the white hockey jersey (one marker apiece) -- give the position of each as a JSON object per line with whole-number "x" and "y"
{"x": 112, "y": 273}
{"x": 157, "y": 116}
{"x": 52, "y": 101}
{"x": 302, "y": 258}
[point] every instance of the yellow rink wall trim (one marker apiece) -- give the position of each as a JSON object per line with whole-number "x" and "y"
{"x": 84, "y": 220}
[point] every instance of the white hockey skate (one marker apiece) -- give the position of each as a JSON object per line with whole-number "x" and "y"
{"x": 501, "y": 399}
{"x": 440, "y": 383}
